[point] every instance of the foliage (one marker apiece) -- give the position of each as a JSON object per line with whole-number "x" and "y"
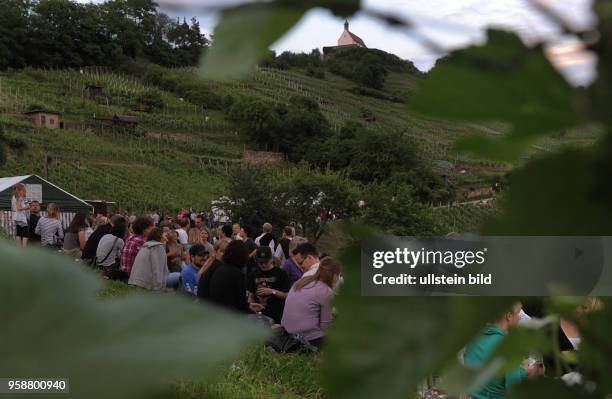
{"x": 501, "y": 81}
{"x": 259, "y": 194}
{"x": 65, "y": 33}
{"x": 262, "y": 23}
{"x": 151, "y": 98}
{"x": 124, "y": 335}
{"x": 280, "y": 127}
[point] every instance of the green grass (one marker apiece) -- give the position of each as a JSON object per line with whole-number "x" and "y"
{"x": 258, "y": 373}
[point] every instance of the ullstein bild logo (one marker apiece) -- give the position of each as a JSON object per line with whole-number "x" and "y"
{"x": 490, "y": 266}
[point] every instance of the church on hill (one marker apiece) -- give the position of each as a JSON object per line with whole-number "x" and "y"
{"x": 348, "y": 38}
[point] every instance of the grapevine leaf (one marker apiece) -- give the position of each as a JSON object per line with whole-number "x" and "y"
{"x": 500, "y": 81}
{"x": 383, "y": 346}
{"x": 245, "y": 33}
{"x": 57, "y": 328}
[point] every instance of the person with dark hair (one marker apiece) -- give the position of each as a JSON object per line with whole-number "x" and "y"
{"x": 141, "y": 227}
{"x": 282, "y": 249}
{"x": 480, "y": 350}
{"x": 75, "y": 237}
{"x": 291, "y": 264}
{"x": 91, "y": 246}
{"x": 150, "y": 268}
{"x": 207, "y": 271}
{"x": 200, "y": 221}
{"x": 225, "y": 232}
{"x": 268, "y": 286}
{"x": 308, "y": 307}
{"x": 109, "y": 248}
{"x": 228, "y": 283}
{"x": 183, "y": 230}
{"x": 33, "y": 221}
{"x": 198, "y": 255}
{"x": 245, "y": 234}
{"x": 308, "y": 258}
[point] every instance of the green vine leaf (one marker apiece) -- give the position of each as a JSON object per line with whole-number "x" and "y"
{"x": 385, "y": 346}
{"x": 245, "y": 33}
{"x": 53, "y": 326}
{"x": 500, "y": 81}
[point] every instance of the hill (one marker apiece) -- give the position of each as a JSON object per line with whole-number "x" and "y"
{"x": 183, "y": 147}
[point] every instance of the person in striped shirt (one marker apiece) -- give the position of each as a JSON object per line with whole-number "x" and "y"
{"x": 141, "y": 228}
{"x": 49, "y": 227}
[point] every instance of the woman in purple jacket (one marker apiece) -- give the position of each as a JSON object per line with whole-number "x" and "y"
{"x": 308, "y": 308}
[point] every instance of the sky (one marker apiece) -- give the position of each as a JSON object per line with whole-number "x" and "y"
{"x": 450, "y": 24}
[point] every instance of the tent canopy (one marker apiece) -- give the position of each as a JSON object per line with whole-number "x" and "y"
{"x": 43, "y": 191}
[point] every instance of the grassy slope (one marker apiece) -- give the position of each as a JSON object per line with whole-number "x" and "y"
{"x": 257, "y": 374}
{"x": 164, "y": 168}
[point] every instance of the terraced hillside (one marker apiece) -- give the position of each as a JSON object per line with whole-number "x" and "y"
{"x": 182, "y": 151}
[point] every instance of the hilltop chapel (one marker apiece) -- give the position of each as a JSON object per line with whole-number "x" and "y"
{"x": 348, "y": 38}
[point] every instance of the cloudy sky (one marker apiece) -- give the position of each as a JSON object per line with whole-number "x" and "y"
{"x": 451, "y": 24}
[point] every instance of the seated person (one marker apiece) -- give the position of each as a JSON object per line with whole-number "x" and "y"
{"x": 308, "y": 307}
{"x": 267, "y": 286}
{"x": 198, "y": 255}
{"x": 480, "y": 350}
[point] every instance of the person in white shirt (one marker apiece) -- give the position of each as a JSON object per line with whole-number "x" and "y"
{"x": 183, "y": 236}
{"x": 266, "y": 238}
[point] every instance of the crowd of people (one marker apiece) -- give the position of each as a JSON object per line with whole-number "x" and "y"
{"x": 284, "y": 282}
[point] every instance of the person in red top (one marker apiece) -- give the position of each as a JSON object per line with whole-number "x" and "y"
{"x": 141, "y": 227}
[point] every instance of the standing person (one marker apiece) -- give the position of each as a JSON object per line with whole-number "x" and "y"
{"x": 480, "y": 350}
{"x": 91, "y": 246}
{"x": 308, "y": 307}
{"x": 50, "y": 227}
{"x": 282, "y": 249}
{"x": 155, "y": 217}
{"x": 141, "y": 228}
{"x": 150, "y": 268}
{"x": 268, "y": 286}
{"x": 198, "y": 255}
{"x": 266, "y": 238}
{"x": 33, "y": 222}
{"x": 245, "y": 233}
{"x": 109, "y": 248}
{"x": 205, "y": 273}
{"x": 20, "y": 217}
{"x": 236, "y": 229}
{"x": 228, "y": 283}
{"x": 182, "y": 231}
{"x": 75, "y": 236}
{"x": 225, "y": 233}
{"x": 291, "y": 265}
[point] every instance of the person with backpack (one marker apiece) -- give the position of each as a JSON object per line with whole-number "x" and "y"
{"x": 109, "y": 248}
{"x": 308, "y": 307}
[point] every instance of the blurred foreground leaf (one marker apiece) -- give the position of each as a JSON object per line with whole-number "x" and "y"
{"x": 53, "y": 326}
{"x": 245, "y": 33}
{"x": 548, "y": 388}
{"x": 500, "y": 81}
{"x": 384, "y": 346}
